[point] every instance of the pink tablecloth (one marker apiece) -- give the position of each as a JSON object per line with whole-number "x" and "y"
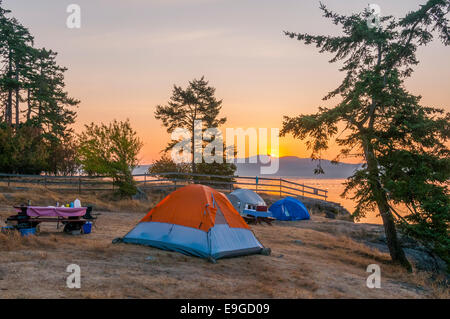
{"x": 34, "y": 211}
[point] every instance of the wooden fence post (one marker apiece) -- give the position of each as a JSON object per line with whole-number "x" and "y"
{"x": 280, "y": 187}
{"x": 79, "y": 185}
{"x": 9, "y": 181}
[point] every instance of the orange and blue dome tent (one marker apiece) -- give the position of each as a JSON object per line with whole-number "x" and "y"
{"x": 199, "y": 221}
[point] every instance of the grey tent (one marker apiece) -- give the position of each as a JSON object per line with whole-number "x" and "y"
{"x": 247, "y": 202}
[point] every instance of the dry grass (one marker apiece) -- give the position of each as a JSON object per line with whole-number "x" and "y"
{"x": 310, "y": 259}
{"x": 101, "y": 201}
{"x": 326, "y": 263}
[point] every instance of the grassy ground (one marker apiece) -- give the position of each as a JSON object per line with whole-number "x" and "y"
{"x": 319, "y": 258}
{"x": 102, "y": 201}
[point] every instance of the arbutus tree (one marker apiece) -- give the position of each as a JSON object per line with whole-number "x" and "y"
{"x": 402, "y": 143}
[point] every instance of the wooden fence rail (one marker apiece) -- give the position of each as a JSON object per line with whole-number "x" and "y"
{"x": 279, "y": 186}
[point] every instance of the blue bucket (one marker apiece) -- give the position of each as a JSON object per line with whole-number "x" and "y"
{"x": 27, "y": 231}
{"x": 87, "y": 228}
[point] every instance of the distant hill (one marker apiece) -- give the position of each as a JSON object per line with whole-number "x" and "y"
{"x": 290, "y": 166}
{"x": 141, "y": 169}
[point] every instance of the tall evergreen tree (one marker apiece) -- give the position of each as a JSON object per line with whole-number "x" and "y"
{"x": 32, "y": 94}
{"x": 195, "y": 103}
{"x": 15, "y": 41}
{"x": 50, "y": 103}
{"x": 402, "y": 142}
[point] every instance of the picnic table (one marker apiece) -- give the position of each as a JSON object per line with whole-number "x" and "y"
{"x": 250, "y": 219}
{"x": 73, "y": 219}
{"x": 257, "y": 216}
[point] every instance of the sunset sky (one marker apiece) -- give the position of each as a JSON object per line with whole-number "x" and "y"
{"x": 129, "y": 53}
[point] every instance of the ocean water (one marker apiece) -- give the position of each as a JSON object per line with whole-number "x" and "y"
{"x": 335, "y": 187}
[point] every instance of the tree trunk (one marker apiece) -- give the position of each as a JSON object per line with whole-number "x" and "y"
{"x": 8, "y": 113}
{"x": 29, "y": 105}
{"x": 17, "y": 98}
{"x": 40, "y": 94}
{"x": 39, "y": 112}
{"x": 395, "y": 249}
{"x": 194, "y": 169}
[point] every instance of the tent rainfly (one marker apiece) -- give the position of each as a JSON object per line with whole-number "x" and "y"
{"x": 247, "y": 202}
{"x": 199, "y": 221}
{"x": 289, "y": 208}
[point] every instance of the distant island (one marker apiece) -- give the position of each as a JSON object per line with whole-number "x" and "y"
{"x": 290, "y": 166}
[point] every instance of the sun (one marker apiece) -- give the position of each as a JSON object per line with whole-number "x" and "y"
{"x": 274, "y": 153}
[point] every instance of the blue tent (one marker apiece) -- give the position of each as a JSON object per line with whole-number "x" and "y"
{"x": 289, "y": 208}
